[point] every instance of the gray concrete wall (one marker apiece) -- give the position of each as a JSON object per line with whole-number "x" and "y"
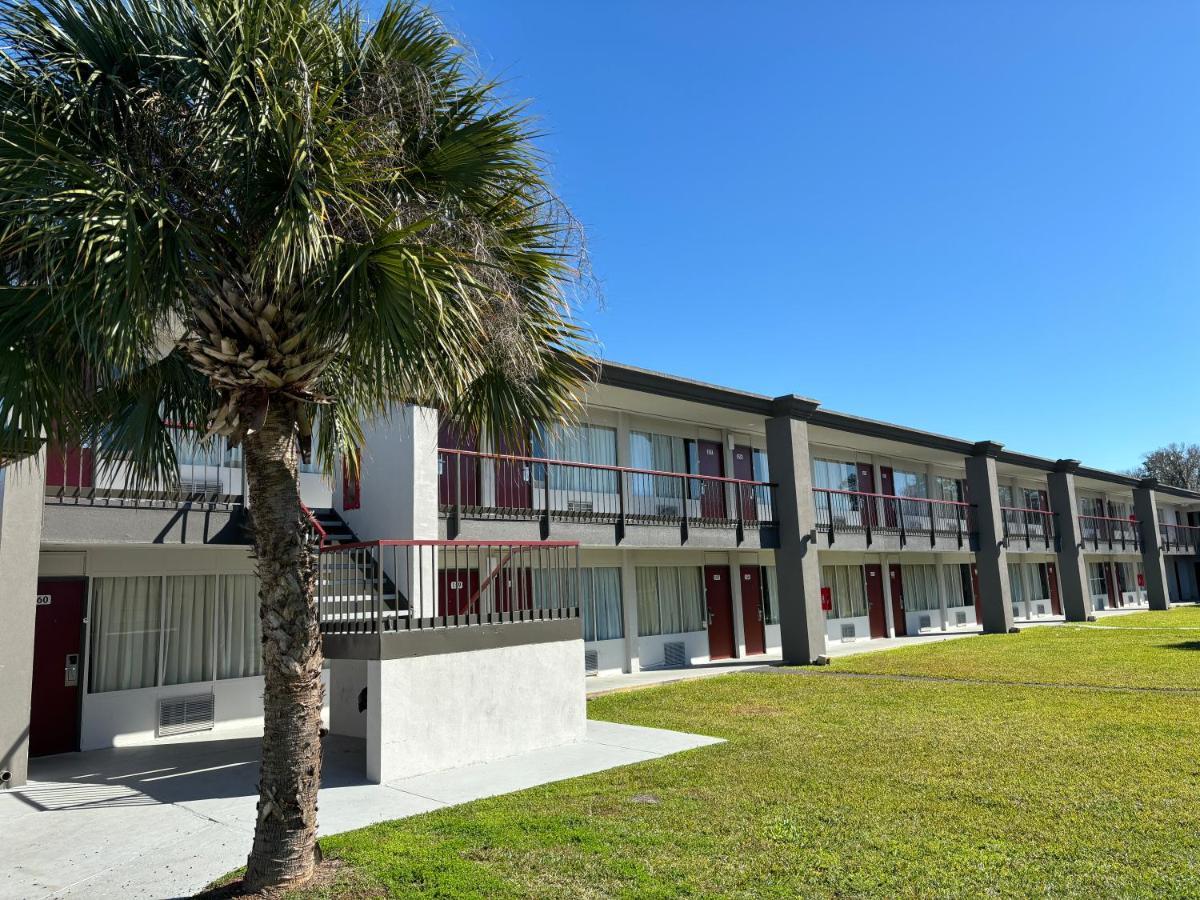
{"x": 995, "y": 592}
{"x": 801, "y": 620}
{"x": 429, "y": 713}
{"x": 21, "y": 504}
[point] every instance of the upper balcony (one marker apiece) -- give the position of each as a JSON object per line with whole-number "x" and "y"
{"x": 1183, "y": 539}
{"x": 490, "y": 495}
{"x": 857, "y": 520}
{"x": 1030, "y": 530}
{"x": 1105, "y": 534}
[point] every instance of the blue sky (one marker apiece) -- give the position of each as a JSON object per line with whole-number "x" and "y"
{"x": 976, "y": 218}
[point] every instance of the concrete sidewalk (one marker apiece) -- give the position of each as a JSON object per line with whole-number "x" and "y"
{"x": 164, "y": 821}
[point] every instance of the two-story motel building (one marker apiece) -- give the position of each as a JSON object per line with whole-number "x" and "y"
{"x": 675, "y": 523}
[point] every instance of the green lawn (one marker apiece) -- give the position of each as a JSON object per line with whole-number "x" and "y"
{"x": 1182, "y": 617}
{"x": 834, "y": 786}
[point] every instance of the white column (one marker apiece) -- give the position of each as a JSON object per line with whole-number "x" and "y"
{"x": 941, "y": 589}
{"x": 629, "y": 613}
{"x": 887, "y": 595}
{"x": 735, "y": 590}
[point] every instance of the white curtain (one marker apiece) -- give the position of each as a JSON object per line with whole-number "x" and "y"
{"x": 691, "y": 593}
{"x": 601, "y": 600}
{"x": 649, "y": 621}
{"x": 669, "y": 608}
{"x": 848, "y": 594}
{"x": 770, "y": 582}
{"x": 239, "y": 630}
{"x": 661, "y": 453}
{"x": 579, "y": 443}
{"x": 920, "y": 587}
{"x": 125, "y": 631}
{"x": 188, "y": 609}
{"x": 956, "y": 594}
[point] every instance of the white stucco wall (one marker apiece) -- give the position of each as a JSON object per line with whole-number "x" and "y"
{"x": 430, "y": 713}
{"x": 651, "y": 650}
{"x": 130, "y": 718}
{"x": 774, "y": 638}
{"x": 611, "y": 655}
{"x": 862, "y": 628}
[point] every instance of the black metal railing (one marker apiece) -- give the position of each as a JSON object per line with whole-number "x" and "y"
{"x": 1028, "y": 527}
{"x": 1110, "y": 533}
{"x": 1179, "y": 538}
{"x": 476, "y": 485}
{"x": 859, "y": 512}
{"x": 377, "y": 587}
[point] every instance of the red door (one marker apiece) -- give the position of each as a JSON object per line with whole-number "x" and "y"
{"x": 743, "y": 469}
{"x": 455, "y": 468}
{"x": 975, "y": 594}
{"x": 898, "y": 601}
{"x": 351, "y": 487}
{"x": 887, "y": 485}
{"x": 70, "y": 468}
{"x": 875, "y": 600}
{"x": 1052, "y": 581}
{"x": 1114, "y": 595}
{"x": 752, "y": 616}
{"x": 514, "y": 477}
{"x": 711, "y": 493}
{"x": 458, "y": 592}
{"x": 719, "y": 599}
{"x": 866, "y": 484}
{"x": 57, "y": 667}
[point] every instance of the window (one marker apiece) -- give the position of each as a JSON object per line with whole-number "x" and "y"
{"x": 577, "y": 443}
{"x": 125, "y": 629}
{"x": 949, "y": 489}
{"x": 833, "y": 475}
{"x": 600, "y": 604}
{"x": 908, "y": 484}
{"x": 1033, "y": 499}
{"x": 1005, "y": 493}
{"x": 770, "y": 595}
{"x": 958, "y": 585}
{"x": 670, "y": 600}
{"x": 239, "y": 628}
{"x": 659, "y": 453}
{"x": 846, "y": 589}
{"x": 189, "y": 607}
{"x": 1097, "y": 579}
{"x": 150, "y": 630}
{"x": 921, "y": 591}
{"x": 759, "y": 459}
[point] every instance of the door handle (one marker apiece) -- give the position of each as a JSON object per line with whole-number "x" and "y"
{"x": 71, "y": 670}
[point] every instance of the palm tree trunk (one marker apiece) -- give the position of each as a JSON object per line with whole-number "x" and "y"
{"x": 285, "y": 835}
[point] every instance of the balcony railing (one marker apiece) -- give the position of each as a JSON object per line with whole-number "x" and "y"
{"x": 858, "y": 512}
{"x": 1110, "y": 533}
{"x": 474, "y": 485}
{"x": 1179, "y": 537}
{"x": 377, "y": 587}
{"x": 1028, "y": 527}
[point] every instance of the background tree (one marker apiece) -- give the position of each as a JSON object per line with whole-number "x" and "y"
{"x": 1175, "y": 464}
{"x": 257, "y": 215}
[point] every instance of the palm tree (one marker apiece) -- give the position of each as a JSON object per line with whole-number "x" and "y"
{"x": 277, "y": 219}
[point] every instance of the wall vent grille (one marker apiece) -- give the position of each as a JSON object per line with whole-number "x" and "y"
{"x": 1041, "y": 609}
{"x": 182, "y": 715}
{"x": 924, "y": 622}
{"x": 591, "y": 662}
{"x": 580, "y": 506}
{"x": 848, "y": 632}
{"x": 674, "y": 655}
{"x": 960, "y": 617}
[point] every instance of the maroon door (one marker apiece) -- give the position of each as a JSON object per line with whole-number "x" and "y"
{"x": 887, "y": 485}
{"x": 898, "y": 601}
{"x": 875, "y": 600}
{"x": 70, "y": 468}
{"x": 57, "y": 667}
{"x": 514, "y": 588}
{"x": 975, "y": 594}
{"x": 455, "y": 467}
{"x": 514, "y": 477}
{"x": 711, "y": 493}
{"x": 752, "y": 616}
{"x": 866, "y": 484}
{"x": 1114, "y": 595}
{"x": 743, "y": 469}
{"x": 1052, "y": 581}
{"x": 719, "y": 599}
{"x": 458, "y": 592}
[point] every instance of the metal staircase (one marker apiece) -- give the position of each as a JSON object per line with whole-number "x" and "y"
{"x": 353, "y": 588}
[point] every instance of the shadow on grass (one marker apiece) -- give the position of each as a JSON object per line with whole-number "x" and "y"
{"x": 1183, "y": 645}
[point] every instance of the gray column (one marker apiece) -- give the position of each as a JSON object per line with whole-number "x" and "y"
{"x": 1072, "y": 568}
{"x": 991, "y": 558}
{"x": 801, "y": 620}
{"x": 629, "y": 614}
{"x": 22, "y": 500}
{"x": 1145, "y": 507}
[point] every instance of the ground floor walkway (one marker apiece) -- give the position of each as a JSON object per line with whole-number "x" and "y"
{"x": 164, "y": 821}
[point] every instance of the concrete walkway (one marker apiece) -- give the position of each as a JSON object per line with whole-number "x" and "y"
{"x": 164, "y": 821}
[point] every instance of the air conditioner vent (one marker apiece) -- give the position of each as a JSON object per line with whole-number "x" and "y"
{"x": 580, "y": 506}
{"x": 848, "y": 632}
{"x": 591, "y": 662}
{"x": 1041, "y": 609}
{"x": 675, "y": 655}
{"x": 960, "y": 617}
{"x": 191, "y": 487}
{"x": 667, "y": 510}
{"x": 181, "y": 715}
{"x": 924, "y": 622}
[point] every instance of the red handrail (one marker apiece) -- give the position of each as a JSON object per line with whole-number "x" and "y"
{"x": 443, "y": 543}
{"x": 1027, "y": 509}
{"x": 502, "y": 457}
{"x": 312, "y": 520}
{"x": 1130, "y": 521}
{"x": 892, "y": 497}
